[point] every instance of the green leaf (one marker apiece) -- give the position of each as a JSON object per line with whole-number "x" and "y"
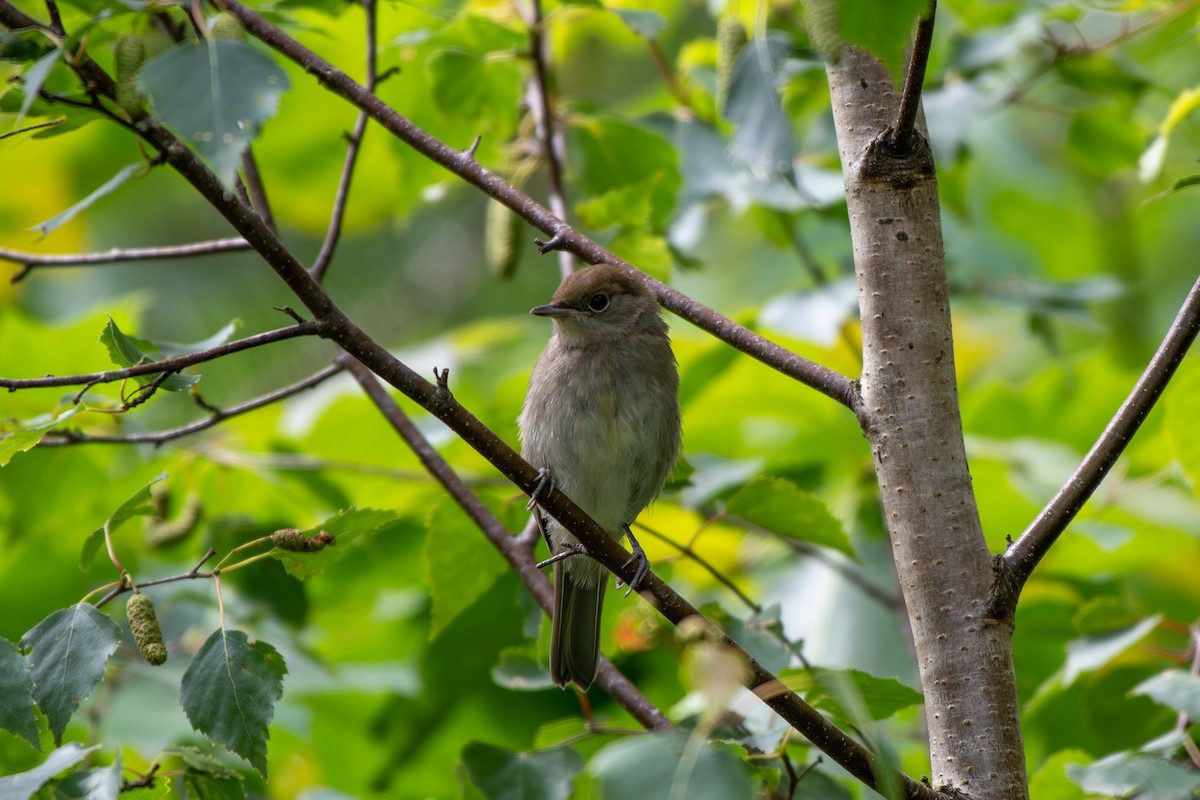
{"x": 1149, "y": 777}
{"x": 762, "y": 137}
{"x": 783, "y": 508}
{"x": 670, "y": 765}
{"x": 882, "y": 28}
{"x": 851, "y": 695}
{"x": 197, "y": 760}
{"x": 68, "y": 651}
{"x": 33, "y": 80}
{"x": 216, "y": 95}
{"x": 345, "y": 526}
{"x": 23, "y": 785}
{"x": 16, "y": 695}
{"x": 173, "y": 349}
{"x": 229, "y": 693}
{"x": 31, "y": 432}
{"x": 201, "y": 786}
{"x": 108, "y": 187}
{"x": 124, "y": 351}
{"x": 1050, "y": 781}
{"x": 139, "y": 505}
{"x": 1090, "y": 653}
{"x": 460, "y": 563}
{"x": 647, "y": 24}
{"x": 537, "y": 775}
{"x": 518, "y": 671}
{"x": 98, "y": 783}
{"x": 466, "y": 84}
{"x": 1175, "y": 689}
{"x": 611, "y": 153}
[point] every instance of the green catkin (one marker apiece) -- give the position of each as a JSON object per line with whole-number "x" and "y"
{"x": 146, "y": 632}
{"x": 128, "y": 58}
{"x": 295, "y": 540}
{"x": 501, "y": 229}
{"x": 821, "y": 22}
{"x": 161, "y": 532}
{"x": 226, "y": 26}
{"x": 731, "y": 38}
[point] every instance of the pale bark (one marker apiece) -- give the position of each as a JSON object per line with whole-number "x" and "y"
{"x": 909, "y": 413}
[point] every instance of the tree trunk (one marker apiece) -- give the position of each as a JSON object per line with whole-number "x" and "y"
{"x": 909, "y": 414}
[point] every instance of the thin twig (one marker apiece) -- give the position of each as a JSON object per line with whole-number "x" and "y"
{"x": 1027, "y": 552}
{"x": 176, "y": 364}
{"x": 543, "y": 114}
{"x": 901, "y": 137}
{"x": 32, "y": 261}
{"x": 29, "y": 128}
{"x": 513, "y": 550}
{"x": 192, "y": 574}
{"x": 71, "y": 436}
{"x": 705, "y": 564}
{"x": 256, "y": 189}
{"x": 333, "y": 233}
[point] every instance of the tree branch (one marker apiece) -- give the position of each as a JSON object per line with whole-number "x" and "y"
{"x": 307, "y": 328}
{"x": 814, "y": 375}
{"x": 900, "y": 140}
{"x": 543, "y": 115}
{"x": 71, "y": 436}
{"x": 31, "y": 261}
{"x": 255, "y": 188}
{"x": 518, "y": 555}
{"x": 1025, "y": 554}
{"x": 334, "y": 232}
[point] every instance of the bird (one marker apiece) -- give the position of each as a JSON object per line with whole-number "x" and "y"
{"x": 601, "y": 422}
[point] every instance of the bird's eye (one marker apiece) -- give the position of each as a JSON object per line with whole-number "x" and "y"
{"x": 598, "y": 302}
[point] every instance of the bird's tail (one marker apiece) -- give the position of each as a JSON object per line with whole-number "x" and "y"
{"x": 575, "y": 627}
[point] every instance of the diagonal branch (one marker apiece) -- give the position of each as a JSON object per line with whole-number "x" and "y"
{"x": 71, "y": 436}
{"x": 168, "y": 365}
{"x": 32, "y": 261}
{"x": 463, "y": 164}
{"x": 1025, "y": 554}
{"x": 518, "y": 556}
{"x": 900, "y": 140}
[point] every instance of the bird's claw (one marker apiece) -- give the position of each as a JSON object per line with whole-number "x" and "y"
{"x": 639, "y": 558}
{"x": 545, "y": 483}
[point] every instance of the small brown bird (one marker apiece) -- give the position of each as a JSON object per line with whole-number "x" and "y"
{"x": 601, "y": 420}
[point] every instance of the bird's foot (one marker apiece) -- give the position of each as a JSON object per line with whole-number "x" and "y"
{"x": 639, "y": 558}
{"x": 545, "y": 483}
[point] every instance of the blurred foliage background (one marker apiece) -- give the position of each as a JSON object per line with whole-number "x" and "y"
{"x": 1060, "y": 129}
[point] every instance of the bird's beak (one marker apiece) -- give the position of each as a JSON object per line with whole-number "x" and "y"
{"x": 551, "y": 311}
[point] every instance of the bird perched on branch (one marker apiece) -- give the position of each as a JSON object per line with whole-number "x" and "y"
{"x": 601, "y": 421}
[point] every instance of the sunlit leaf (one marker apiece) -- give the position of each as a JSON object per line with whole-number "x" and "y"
{"x": 127, "y": 352}
{"x": 108, "y": 187}
{"x": 1151, "y": 778}
{"x": 1092, "y": 652}
{"x": 23, "y": 785}
{"x": 31, "y": 432}
{"x": 851, "y": 695}
{"x": 229, "y": 693}
{"x": 647, "y": 24}
{"x": 783, "y": 508}
{"x": 1175, "y": 689}
{"x": 882, "y": 28}
{"x": 462, "y": 566}
{"x": 670, "y": 765}
{"x": 505, "y": 775}
{"x": 216, "y": 95}
{"x": 68, "y": 651}
{"x": 33, "y": 80}
{"x": 98, "y": 783}
{"x": 345, "y": 526}
{"x": 16, "y": 695}
{"x": 139, "y": 505}
{"x": 762, "y": 137}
